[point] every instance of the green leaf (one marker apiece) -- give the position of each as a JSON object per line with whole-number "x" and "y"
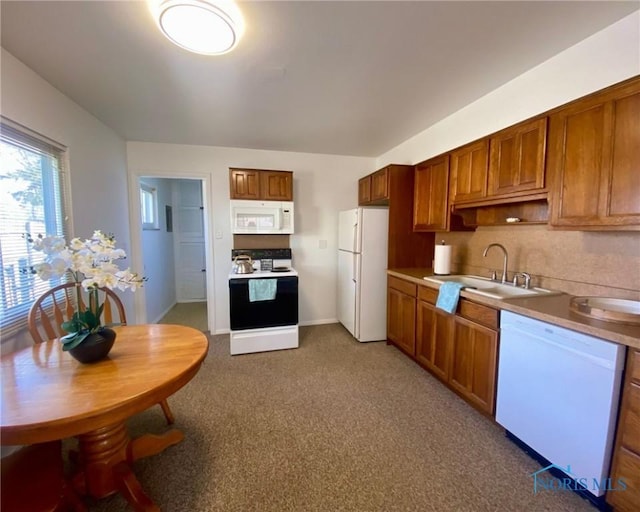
{"x": 74, "y": 325}
{"x": 90, "y": 320}
{"x": 73, "y": 340}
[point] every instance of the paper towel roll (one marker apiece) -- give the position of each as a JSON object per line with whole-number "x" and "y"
{"x": 442, "y": 260}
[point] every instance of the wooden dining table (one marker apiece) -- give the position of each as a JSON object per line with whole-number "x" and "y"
{"x": 48, "y": 395}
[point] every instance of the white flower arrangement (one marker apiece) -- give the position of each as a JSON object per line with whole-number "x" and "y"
{"x": 90, "y": 263}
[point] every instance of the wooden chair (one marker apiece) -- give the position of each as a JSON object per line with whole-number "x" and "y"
{"x": 33, "y": 479}
{"x": 58, "y": 304}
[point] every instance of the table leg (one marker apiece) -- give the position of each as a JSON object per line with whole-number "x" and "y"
{"x": 151, "y": 444}
{"x": 130, "y": 488}
{"x": 106, "y": 455}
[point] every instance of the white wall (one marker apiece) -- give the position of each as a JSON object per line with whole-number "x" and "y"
{"x": 323, "y": 185}
{"x": 605, "y": 58}
{"x": 97, "y": 158}
{"x": 157, "y": 248}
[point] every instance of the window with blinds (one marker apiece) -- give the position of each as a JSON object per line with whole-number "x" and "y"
{"x": 149, "y": 207}
{"x": 32, "y": 202}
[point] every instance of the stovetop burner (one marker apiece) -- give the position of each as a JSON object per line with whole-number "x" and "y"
{"x": 266, "y": 261}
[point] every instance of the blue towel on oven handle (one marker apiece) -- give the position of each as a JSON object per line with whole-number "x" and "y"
{"x": 262, "y": 289}
{"x": 448, "y": 296}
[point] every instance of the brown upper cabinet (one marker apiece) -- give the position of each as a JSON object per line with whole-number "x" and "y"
{"x": 380, "y": 185}
{"x": 516, "y": 162}
{"x": 575, "y": 167}
{"x": 261, "y": 184}
{"x": 374, "y": 189}
{"x": 469, "y": 171}
{"x": 431, "y": 195}
{"x": 364, "y": 190}
{"x": 507, "y": 165}
{"x": 392, "y": 186}
{"x": 594, "y": 157}
{"x": 244, "y": 184}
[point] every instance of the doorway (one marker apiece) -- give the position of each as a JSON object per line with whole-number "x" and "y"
{"x": 170, "y": 245}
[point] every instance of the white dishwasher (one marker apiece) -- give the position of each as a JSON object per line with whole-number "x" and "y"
{"x": 558, "y": 392}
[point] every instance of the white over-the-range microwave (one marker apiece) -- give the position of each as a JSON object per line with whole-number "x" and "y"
{"x": 261, "y": 217}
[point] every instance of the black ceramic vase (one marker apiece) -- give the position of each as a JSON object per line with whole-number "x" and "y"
{"x": 95, "y": 347}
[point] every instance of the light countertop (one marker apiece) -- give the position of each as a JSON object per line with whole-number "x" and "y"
{"x": 553, "y": 309}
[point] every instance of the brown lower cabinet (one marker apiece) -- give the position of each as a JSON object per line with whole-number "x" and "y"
{"x": 626, "y": 457}
{"x": 461, "y": 350}
{"x": 434, "y": 335}
{"x": 401, "y": 314}
{"x": 473, "y": 363}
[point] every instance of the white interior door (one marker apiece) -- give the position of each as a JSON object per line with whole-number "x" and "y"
{"x": 190, "y": 249}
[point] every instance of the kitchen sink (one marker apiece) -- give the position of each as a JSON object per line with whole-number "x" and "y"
{"x": 489, "y": 288}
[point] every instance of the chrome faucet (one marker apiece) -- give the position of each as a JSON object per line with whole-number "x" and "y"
{"x": 504, "y": 264}
{"x": 527, "y": 279}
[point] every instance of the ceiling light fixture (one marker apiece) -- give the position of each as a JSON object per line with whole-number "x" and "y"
{"x": 209, "y": 27}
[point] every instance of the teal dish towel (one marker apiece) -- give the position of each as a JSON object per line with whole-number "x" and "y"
{"x": 262, "y": 289}
{"x": 448, "y": 296}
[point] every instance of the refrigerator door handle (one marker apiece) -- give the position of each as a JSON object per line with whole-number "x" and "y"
{"x": 353, "y": 267}
{"x": 355, "y": 237}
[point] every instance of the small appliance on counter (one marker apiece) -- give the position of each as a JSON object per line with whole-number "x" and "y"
{"x": 263, "y": 303}
{"x": 242, "y": 264}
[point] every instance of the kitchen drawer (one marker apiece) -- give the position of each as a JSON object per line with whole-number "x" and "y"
{"x": 630, "y": 427}
{"x": 427, "y": 294}
{"x": 402, "y": 286}
{"x": 483, "y": 315}
{"x": 634, "y": 365}
{"x": 627, "y": 469}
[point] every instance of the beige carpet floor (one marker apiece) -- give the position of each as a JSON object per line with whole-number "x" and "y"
{"x": 192, "y": 314}
{"x": 334, "y": 425}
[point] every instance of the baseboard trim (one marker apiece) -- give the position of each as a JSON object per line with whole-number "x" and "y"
{"x": 162, "y": 315}
{"x": 319, "y": 322}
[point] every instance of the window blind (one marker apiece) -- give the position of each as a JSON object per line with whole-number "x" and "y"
{"x": 33, "y": 201}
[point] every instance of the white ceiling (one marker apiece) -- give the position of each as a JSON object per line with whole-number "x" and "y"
{"x": 350, "y": 78}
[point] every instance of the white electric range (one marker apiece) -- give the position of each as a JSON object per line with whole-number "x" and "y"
{"x": 263, "y": 305}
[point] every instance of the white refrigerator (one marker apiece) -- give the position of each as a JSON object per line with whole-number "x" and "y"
{"x": 362, "y": 277}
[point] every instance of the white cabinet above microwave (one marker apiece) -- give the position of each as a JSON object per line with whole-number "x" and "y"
{"x": 261, "y": 217}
